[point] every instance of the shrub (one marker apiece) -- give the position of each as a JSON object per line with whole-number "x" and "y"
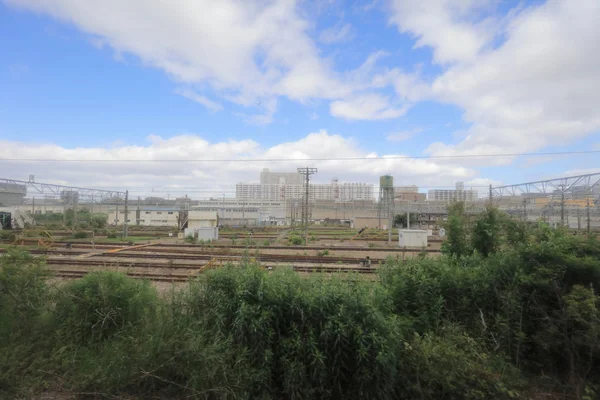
{"x": 80, "y": 235}
{"x": 323, "y": 253}
{"x": 267, "y": 242}
{"x": 302, "y": 338}
{"x": 98, "y": 306}
{"x": 190, "y": 239}
{"x": 296, "y": 240}
{"x": 8, "y": 236}
{"x": 23, "y": 291}
{"x": 111, "y": 235}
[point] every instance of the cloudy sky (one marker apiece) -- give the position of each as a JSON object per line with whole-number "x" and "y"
{"x": 112, "y": 93}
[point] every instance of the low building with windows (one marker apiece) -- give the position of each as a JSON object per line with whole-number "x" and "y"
{"x": 145, "y": 216}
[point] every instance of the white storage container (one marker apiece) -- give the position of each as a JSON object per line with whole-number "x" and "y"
{"x": 412, "y": 238}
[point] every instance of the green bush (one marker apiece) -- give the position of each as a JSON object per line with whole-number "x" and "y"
{"x": 24, "y": 299}
{"x": 80, "y": 235}
{"x": 302, "y": 338}
{"x": 295, "y": 240}
{"x": 7, "y": 236}
{"x": 111, "y": 235}
{"x": 23, "y": 291}
{"x": 472, "y": 326}
{"x": 101, "y": 304}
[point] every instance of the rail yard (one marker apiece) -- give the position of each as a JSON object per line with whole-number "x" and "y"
{"x": 163, "y": 259}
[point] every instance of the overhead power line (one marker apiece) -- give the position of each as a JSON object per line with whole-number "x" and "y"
{"x": 453, "y": 156}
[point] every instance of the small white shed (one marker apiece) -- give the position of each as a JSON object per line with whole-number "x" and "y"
{"x": 204, "y": 234}
{"x": 412, "y": 238}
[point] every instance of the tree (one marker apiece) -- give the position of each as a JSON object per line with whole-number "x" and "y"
{"x": 486, "y": 232}
{"x": 457, "y": 243}
{"x": 400, "y": 221}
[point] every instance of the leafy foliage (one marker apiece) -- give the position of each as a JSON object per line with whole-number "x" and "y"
{"x": 295, "y": 239}
{"x": 96, "y": 307}
{"x": 480, "y": 325}
{"x": 486, "y": 232}
{"x": 400, "y": 221}
{"x": 457, "y": 231}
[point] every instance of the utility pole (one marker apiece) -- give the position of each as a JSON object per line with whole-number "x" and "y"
{"x": 75, "y": 212}
{"x": 578, "y": 218}
{"x": 126, "y": 215}
{"x": 562, "y": 207}
{"x": 490, "y": 194}
{"x": 588, "y": 215}
{"x": 223, "y": 207}
{"x": 307, "y": 172}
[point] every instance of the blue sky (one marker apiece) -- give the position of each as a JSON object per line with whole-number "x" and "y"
{"x": 151, "y": 80}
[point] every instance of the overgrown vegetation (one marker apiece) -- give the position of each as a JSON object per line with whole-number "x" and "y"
{"x": 500, "y": 316}
{"x": 295, "y": 239}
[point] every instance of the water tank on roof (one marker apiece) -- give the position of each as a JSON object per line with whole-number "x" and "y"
{"x": 386, "y": 181}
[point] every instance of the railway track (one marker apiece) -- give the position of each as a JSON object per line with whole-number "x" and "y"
{"x": 179, "y": 247}
{"x": 75, "y": 274}
{"x": 174, "y": 278}
{"x": 323, "y": 237}
{"x": 99, "y": 262}
{"x": 278, "y": 258}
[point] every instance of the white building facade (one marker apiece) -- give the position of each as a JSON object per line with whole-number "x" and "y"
{"x": 292, "y": 191}
{"x": 449, "y": 195}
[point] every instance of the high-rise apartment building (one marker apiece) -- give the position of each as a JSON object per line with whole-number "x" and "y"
{"x": 291, "y": 186}
{"x": 457, "y": 194}
{"x": 280, "y": 178}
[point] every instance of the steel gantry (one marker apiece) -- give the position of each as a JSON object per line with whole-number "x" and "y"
{"x": 564, "y": 195}
{"x": 588, "y": 182}
{"x": 71, "y": 195}
{"x": 60, "y": 191}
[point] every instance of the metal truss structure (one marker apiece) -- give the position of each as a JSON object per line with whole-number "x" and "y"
{"x": 69, "y": 194}
{"x": 586, "y": 185}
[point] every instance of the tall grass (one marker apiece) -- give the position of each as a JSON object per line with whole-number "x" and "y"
{"x": 468, "y": 327}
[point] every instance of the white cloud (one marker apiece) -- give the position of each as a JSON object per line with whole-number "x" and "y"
{"x": 246, "y": 51}
{"x": 336, "y": 34}
{"x": 403, "y": 135}
{"x": 445, "y": 25}
{"x": 192, "y": 95}
{"x": 366, "y": 107}
{"x": 205, "y": 178}
{"x": 242, "y": 52}
{"x": 536, "y": 87}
